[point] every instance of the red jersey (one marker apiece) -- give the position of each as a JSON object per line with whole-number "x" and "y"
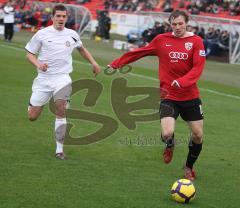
{"x": 180, "y": 59}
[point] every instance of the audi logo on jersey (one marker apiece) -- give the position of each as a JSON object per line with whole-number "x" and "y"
{"x": 178, "y": 55}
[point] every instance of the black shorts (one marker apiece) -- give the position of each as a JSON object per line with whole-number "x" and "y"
{"x": 190, "y": 110}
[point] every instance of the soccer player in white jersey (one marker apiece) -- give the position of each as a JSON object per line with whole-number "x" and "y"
{"x": 50, "y": 51}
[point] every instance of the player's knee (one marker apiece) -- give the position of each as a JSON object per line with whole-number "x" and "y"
{"x": 60, "y": 109}
{"x": 197, "y": 136}
{"x": 60, "y": 112}
{"x": 32, "y": 118}
{"x": 167, "y": 134}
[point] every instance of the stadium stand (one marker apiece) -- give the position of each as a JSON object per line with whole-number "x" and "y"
{"x": 219, "y": 8}
{"x": 92, "y": 5}
{"x": 131, "y": 5}
{"x": 216, "y": 40}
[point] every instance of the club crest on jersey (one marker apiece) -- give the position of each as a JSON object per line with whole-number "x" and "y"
{"x": 67, "y": 44}
{"x": 188, "y": 46}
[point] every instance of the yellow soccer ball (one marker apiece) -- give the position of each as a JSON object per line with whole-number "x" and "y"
{"x": 183, "y": 191}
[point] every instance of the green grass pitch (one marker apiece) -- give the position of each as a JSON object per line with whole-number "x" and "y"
{"x": 115, "y": 172}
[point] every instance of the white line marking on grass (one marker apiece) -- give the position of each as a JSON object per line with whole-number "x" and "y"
{"x": 220, "y": 93}
{"x": 140, "y": 76}
{"x": 12, "y": 47}
{"x": 202, "y": 89}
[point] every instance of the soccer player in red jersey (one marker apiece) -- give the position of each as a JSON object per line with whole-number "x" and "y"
{"x": 181, "y": 62}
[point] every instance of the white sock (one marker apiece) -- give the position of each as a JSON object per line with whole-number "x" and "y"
{"x": 60, "y": 130}
{"x": 59, "y": 147}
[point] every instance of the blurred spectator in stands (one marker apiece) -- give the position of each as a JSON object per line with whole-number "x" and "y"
{"x": 157, "y": 29}
{"x": 82, "y": 1}
{"x": 212, "y": 34}
{"x": 181, "y": 4}
{"x": 199, "y": 31}
{"x": 140, "y": 6}
{"x": 234, "y": 8}
{"x": 104, "y": 25}
{"x": 31, "y": 20}
{"x": 145, "y": 35}
{"x": 130, "y": 5}
{"x": 167, "y": 27}
{"x": 211, "y": 41}
{"x": 19, "y": 17}
{"x": 167, "y": 6}
{"x": 189, "y": 28}
{"x": 193, "y": 9}
{"x": 45, "y": 17}
{"x": 201, "y": 5}
{"x": 107, "y": 27}
{"x": 212, "y": 8}
{"x": 107, "y": 4}
{"x": 225, "y": 5}
{"x": 21, "y": 4}
{"x": 1, "y": 14}
{"x": 149, "y": 34}
{"x": 71, "y": 21}
{"x": 37, "y": 16}
{"x": 8, "y": 20}
{"x": 224, "y": 40}
{"x": 196, "y": 30}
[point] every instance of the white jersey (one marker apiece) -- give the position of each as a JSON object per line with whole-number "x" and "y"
{"x": 54, "y": 48}
{"x": 8, "y": 12}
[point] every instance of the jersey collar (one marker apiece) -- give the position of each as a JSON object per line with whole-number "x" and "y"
{"x": 189, "y": 34}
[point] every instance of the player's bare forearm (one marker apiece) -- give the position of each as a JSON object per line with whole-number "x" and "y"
{"x": 87, "y": 55}
{"x": 33, "y": 60}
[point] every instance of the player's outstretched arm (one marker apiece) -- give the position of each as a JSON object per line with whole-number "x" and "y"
{"x": 33, "y": 60}
{"x": 132, "y": 56}
{"x": 87, "y": 55}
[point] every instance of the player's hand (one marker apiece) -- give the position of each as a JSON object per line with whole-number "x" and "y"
{"x": 175, "y": 84}
{"x": 109, "y": 70}
{"x": 96, "y": 69}
{"x": 43, "y": 67}
{"x": 112, "y": 67}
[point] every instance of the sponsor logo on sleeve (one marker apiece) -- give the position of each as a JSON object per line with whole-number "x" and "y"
{"x": 202, "y": 53}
